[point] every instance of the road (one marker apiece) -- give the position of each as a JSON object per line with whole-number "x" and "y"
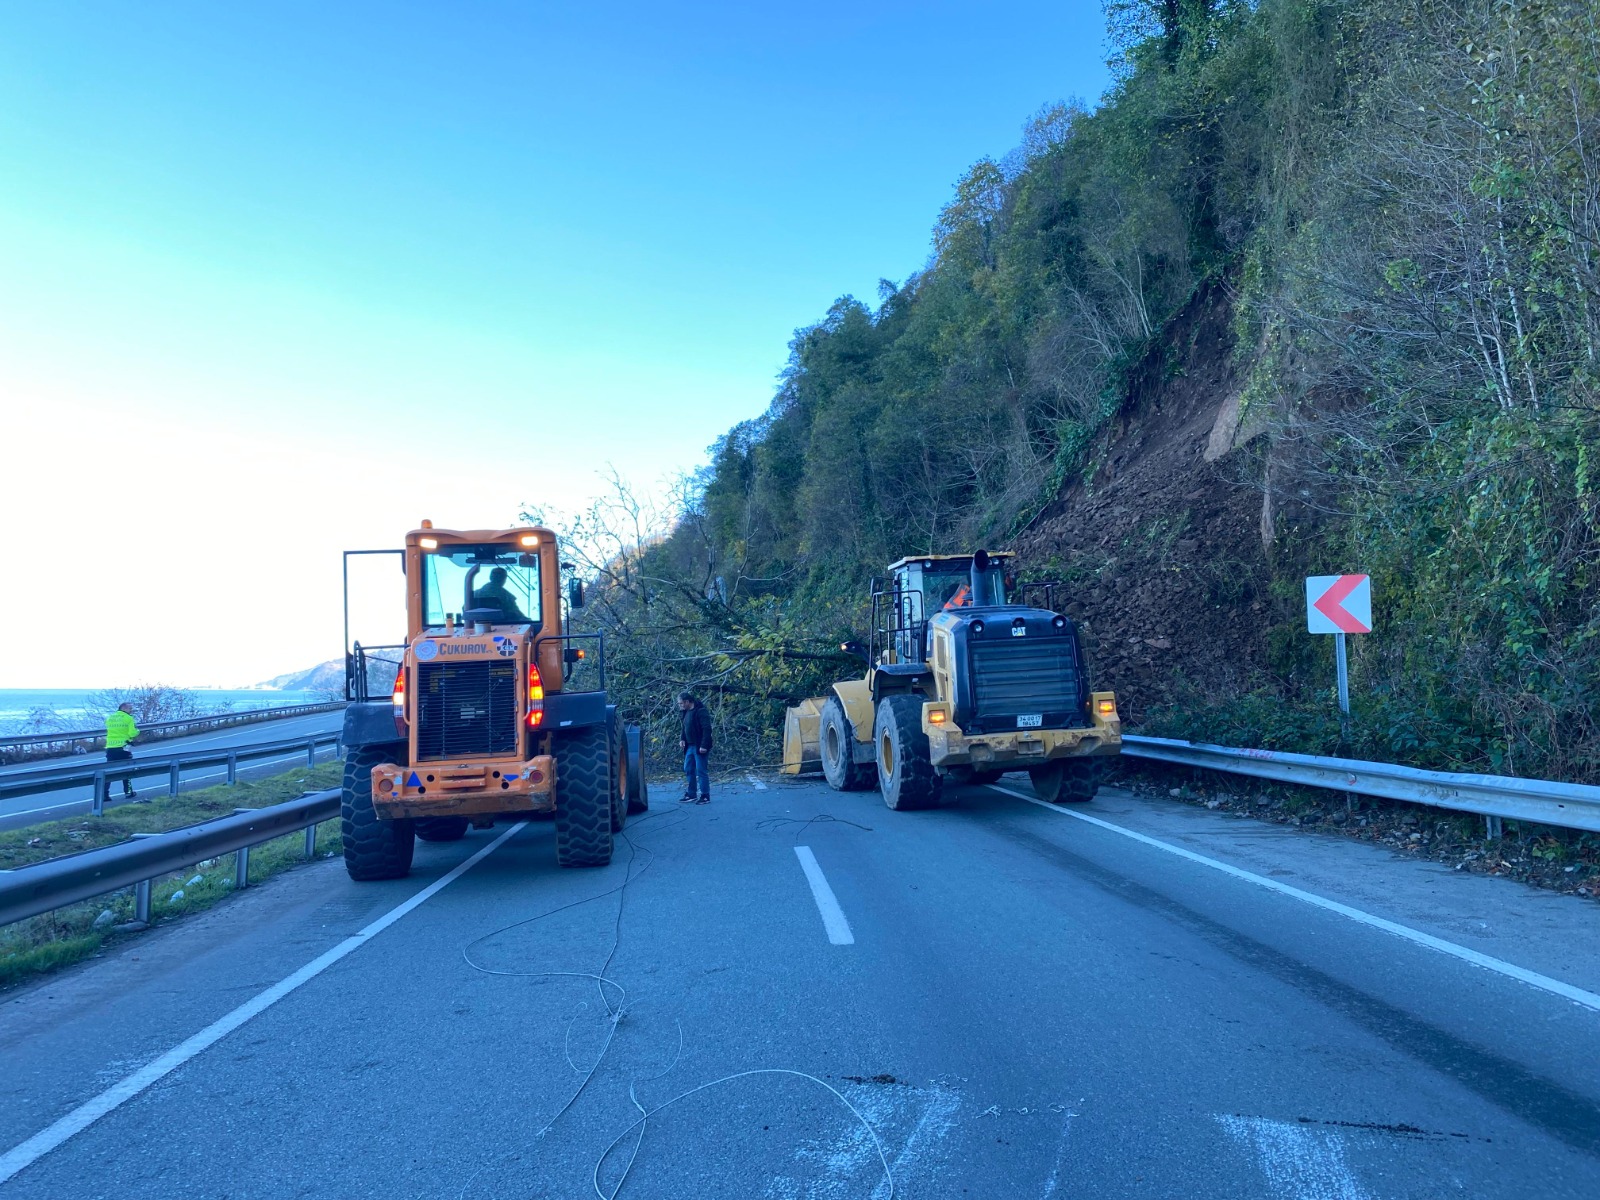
{"x": 22, "y": 809}
{"x": 995, "y": 999}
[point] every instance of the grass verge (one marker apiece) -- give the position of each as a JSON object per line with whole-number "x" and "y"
{"x": 68, "y": 935}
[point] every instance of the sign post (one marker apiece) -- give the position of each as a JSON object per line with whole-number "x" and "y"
{"x": 1340, "y": 604}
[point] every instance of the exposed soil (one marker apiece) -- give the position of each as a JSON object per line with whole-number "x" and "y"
{"x": 1162, "y": 549}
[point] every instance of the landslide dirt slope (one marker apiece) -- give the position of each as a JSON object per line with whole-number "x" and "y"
{"x": 1161, "y": 536}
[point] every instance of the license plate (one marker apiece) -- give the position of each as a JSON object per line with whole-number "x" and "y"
{"x": 1030, "y": 721}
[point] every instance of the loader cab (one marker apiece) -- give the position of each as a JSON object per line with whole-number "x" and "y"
{"x": 493, "y": 584}
{"x": 919, "y": 588}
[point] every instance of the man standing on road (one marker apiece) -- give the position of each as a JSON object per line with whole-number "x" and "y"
{"x": 120, "y": 731}
{"x": 695, "y": 743}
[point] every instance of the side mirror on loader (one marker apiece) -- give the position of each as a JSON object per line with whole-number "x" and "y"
{"x": 857, "y": 649}
{"x": 575, "y": 594}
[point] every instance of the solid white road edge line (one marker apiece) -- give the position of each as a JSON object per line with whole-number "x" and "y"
{"x": 827, "y": 904}
{"x": 117, "y": 1094}
{"x": 1554, "y": 986}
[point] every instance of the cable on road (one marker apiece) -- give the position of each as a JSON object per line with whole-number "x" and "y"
{"x": 645, "y": 1114}
{"x": 820, "y": 819}
{"x": 615, "y": 1015}
{"x": 599, "y": 978}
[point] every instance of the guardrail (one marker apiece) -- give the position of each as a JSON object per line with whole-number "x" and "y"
{"x": 1494, "y": 797}
{"x": 102, "y": 775}
{"x": 220, "y": 720}
{"x": 40, "y": 887}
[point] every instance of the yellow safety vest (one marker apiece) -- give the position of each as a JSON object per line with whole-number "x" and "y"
{"x": 120, "y": 730}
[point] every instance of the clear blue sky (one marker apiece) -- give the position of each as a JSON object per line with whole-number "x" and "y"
{"x": 316, "y": 271}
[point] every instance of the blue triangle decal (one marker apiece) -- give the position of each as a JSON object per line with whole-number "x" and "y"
{"x": 413, "y": 781}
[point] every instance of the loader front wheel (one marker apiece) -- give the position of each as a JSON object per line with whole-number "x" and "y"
{"x": 619, "y": 774}
{"x": 373, "y": 848}
{"x": 638, "y": 789}
{"x": 1066, "y": 781}
{"x": 836, "y": 744}
{"x": 442, "y": 829}
{"x": 905, "y": 771}
{"x": 583, "y": 798}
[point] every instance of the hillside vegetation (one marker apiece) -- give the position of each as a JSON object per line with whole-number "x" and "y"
{"x": 1315, "y": 288}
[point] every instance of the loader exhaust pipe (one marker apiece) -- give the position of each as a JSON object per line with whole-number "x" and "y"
{"x": 980, "y": 580}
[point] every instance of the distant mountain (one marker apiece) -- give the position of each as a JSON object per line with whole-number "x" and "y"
{"x": 324, "y": 677}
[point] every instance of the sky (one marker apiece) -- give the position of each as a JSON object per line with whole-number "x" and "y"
{"x": 280, "y": 280}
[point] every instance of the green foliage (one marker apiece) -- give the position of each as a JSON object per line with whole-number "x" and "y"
{"x": 1399, "y": 204}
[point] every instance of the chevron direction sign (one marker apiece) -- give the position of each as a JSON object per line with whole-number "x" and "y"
{"x": 1339, "y": 604}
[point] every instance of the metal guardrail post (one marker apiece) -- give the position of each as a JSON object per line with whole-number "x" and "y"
{"x": 1493, "y": 827}
{"x": 311, "y": 754}
{"x": 174, "y": 777}
{"x": 241, "y": 867}
{"x": 311, "y": 842}
{"x": 233, "y": 769}
{"x": 141, "y": 901}
{"x": 99, "y": 809}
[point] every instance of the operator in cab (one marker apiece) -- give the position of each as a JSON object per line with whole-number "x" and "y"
{"x": 495, "y": 594}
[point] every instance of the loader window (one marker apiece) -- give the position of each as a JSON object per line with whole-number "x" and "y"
{"x": 953, "y": 589}
{"x": 458, "y": 578}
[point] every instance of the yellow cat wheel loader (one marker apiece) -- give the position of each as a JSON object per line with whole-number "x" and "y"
{"x": 493, "y": 712}
{"x": 961, "y": 684}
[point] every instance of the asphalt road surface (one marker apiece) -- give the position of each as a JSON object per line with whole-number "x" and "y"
{"x": 21, "y": 810}
{"x": 812, "y": 996}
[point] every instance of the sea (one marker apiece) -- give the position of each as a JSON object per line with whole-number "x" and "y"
{"x": 17, "y": 705}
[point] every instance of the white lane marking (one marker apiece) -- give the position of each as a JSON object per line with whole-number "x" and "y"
{"x": 1566, "y": 991}
{"x": 827, "y": 904}
{"x": 755, "y": 783}
{"x": 87, "y": 1113}
{"x": 1299, "y": 1163}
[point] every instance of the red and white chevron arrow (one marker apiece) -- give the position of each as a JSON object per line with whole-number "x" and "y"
{"x": 1339, "y": 604}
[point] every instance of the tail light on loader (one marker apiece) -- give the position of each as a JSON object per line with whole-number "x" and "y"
{"x": 535, "y": 697}
{"x": 399, "y": 702}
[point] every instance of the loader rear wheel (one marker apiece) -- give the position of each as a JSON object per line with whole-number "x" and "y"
{"x": 836, "y": 744}
{"x": 619, "y": 774}
{"x": 905, "y": 771}
{"x": 442, "y": 829}
{"x": 1066, "y": 781}
{"x": 583, "y": 798}
{"x": 373, "y": 848}
{"x": 638, "y": 789}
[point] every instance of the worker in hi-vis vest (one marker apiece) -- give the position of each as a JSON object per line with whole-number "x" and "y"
{"x": 120, "y": 731}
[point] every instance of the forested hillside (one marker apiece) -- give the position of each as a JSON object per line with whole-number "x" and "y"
{"x": 1314, "y": 289}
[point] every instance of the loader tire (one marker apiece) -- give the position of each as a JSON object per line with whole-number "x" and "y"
{"x": 836, "y": 744}
{"x": 638, "y": 789}
{"x": 373, "y": 848}
{"x": 619, "y": 774}
{"x": 583, "y": 798}
{"x": 442, "y": 829}
{"x": 905, "y": 773}
{"x": 1066, "y": 781}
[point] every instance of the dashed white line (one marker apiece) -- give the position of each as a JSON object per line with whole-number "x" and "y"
{"x": 87, "y": 1113}
{"x": 1566, "y": 991}
{"x": 833, "y": 919}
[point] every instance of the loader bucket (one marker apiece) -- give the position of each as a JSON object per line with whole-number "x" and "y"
{"x": 801, "y": 752}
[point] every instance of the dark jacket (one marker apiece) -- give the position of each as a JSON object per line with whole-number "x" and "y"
{"x": 697, "y": 727}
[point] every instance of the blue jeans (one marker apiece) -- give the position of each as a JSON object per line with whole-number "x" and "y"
{"x": 699, "y": 774}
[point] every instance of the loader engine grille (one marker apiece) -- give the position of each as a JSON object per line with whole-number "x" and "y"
{"x": 1026, "y": 676}
{"x": 466, "y": 708}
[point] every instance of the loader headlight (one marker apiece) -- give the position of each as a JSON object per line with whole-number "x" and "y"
{"x": 977, "y": 627}
{"x": 530, "y": 539}
{"x": 428, "y": 543}
{"x": 1059, "y": 622}
{"x": 1106, "y": 708}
